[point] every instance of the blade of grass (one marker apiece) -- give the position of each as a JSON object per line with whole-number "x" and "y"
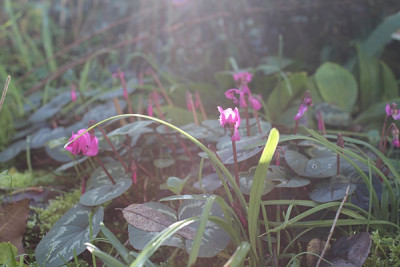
{"x": 16, "y": 35}
{"x": 107, "y": 259}
{"x": 46, "y": 37}
{"x": 194, "y": 251}
{"x": 121, "y": 249}
{"x": 5, "y": 89}
{"x": 257, "y": 187}
{"x": 239, "y": 256}
{"x": 158, "y": 240}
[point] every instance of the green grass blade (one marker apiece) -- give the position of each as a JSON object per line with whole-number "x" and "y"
{"x": 107, "y": 259}
{"x": 258, "y": 185}
{"x": 194, "y": 251}
{"x": 239, "y": 256}
{"x": 46, "y": 37}
{"x": 158, "y": 240}
{"x": 17, "y": 36}
{"x": 121, "y": 249}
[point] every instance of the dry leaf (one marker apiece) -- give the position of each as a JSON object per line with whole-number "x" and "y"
{"x": 13, "y": 218}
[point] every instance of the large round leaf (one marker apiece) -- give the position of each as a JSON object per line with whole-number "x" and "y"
{"x": 132, "y": 129}
{"x": 331, "y": 190}
{"x": 337, "y": 85}
{"x": 139, "y": 237}
{"x": 209, "y": 183}
{"x": 51, "y": 108}
{"x": 68, "y": 236}
{"x": 321, "y": 167}
{"x": 101, "y": 189}
{"x": 253, "y": 126}
{"x": 226, "y": 155}
{"x": 214, "y": 239}
{"x": 13, "y": 150}
{"x": 333, "y": 115}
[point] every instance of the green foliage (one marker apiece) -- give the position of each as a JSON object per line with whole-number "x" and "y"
{"x": 336, "y": 85}
{"x": 385, "y": 249}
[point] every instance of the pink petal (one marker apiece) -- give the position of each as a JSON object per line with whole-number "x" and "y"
{"x": 235, "y": 136}
{"x": 73, "y": 94}
{"x": 388, "y": 110}
{"x": 93, "y": 148}
{"x": 255, "y": 104}
{"x": 230, "y": 94}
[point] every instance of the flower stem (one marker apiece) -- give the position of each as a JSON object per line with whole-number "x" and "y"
{"x": 198, "y": 99}
{"x": 119, "y": 111}
{"x": 191, "y": 103}
{"x": 235, "y": 161}
{"x": 164, "y": 93}
{"x": 113, "y": 149}
{"x": 105, "y": 170}
{"x": 295, "y": 127}
{"x": 255, "y": 113}
{"x": 246, "y": 112}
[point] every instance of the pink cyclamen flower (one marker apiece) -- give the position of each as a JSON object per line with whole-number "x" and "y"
{"x": 86, "y": 144}
{"x": 232, "y": 118}
{"x": 73, "y": 93}
{"x": 243, "y": 92}
{"x": 305, "y": 103}
{"x": 391, "y": 110}
{"x": 241, "y": 77}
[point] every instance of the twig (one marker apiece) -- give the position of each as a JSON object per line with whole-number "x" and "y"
{"x": 3, "y": 96}
{"x": 333, "y": 226}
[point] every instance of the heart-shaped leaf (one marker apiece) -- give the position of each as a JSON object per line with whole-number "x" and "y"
{"x": 136, "y": 128}
{"x": 350, "y": 250}
{"x": 150, "y": 219}
{"x": 68, "y": 236}
{"x": 12, "y": 151}
{"x": 226, "y": 155}
{"x": 175, "y": 184}
{"x": 337, "y": 85}
{"x": 246, "y": 181}
{"x": 331, "y": 190}
{"x": 101, "y": 189}
{"x": 140, "y": 238}
{"x": 51, "y": 108}
{"x": 209, "y": 183}
{"x": 163, "y": 163}
{"x": 215, "y": 239}
{"x": 313, "y": 168}
{"x": 333, "y": 115}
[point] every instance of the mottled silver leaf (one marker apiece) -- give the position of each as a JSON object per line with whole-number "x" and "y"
{"x": 149, "y": 219}
{"x": 68, "y": 235}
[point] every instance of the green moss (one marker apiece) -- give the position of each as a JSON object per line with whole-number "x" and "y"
{"x": 57, "y": 208}
{"x": 14, "y": 179}
{"x": 385, "y": 250}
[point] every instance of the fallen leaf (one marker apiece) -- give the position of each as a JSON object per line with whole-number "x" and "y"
{"x": 13, "y": 218}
